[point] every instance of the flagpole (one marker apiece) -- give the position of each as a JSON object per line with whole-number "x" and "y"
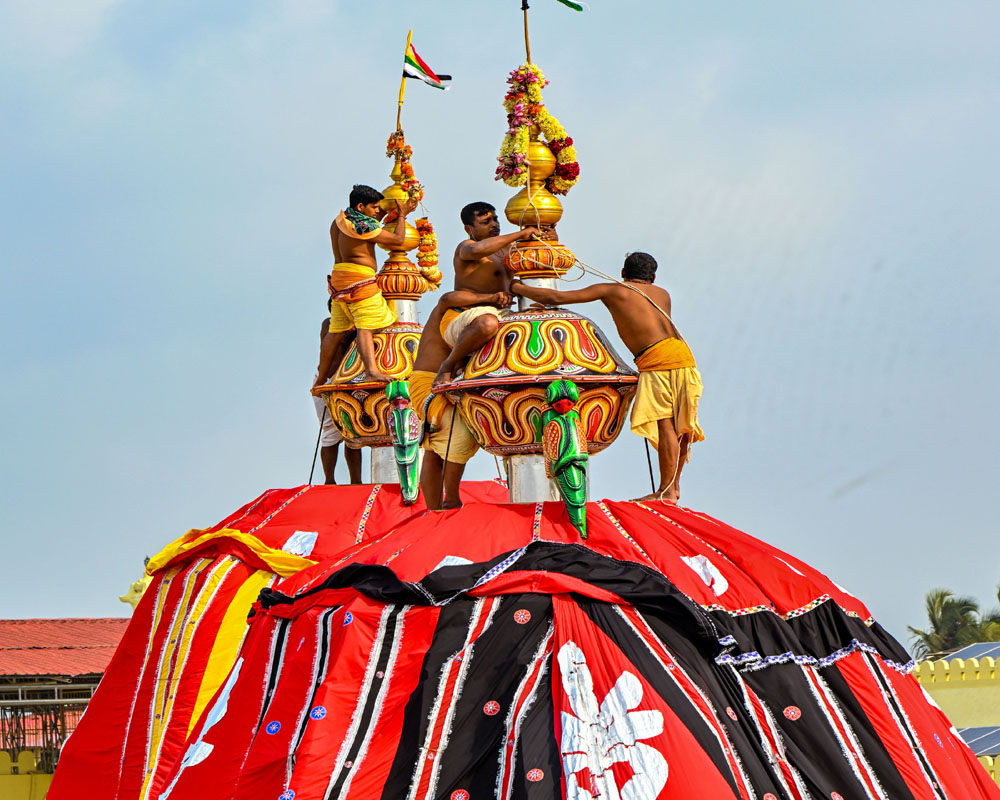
{"x": 527, "y": 44}
{"x": 402, "y": 84}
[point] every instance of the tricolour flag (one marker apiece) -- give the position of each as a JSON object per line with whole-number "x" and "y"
{"x": 574, "y": 6}
{"x": 415, "y": 67}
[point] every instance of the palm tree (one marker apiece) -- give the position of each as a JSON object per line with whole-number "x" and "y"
{"x": 954, "y": 623}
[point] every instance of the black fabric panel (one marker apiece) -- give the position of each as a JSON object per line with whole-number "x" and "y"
{"x": 909, "y": 733}
{"x": 322, "y": 656}
{"x": 274, "y": 668}
{"x": 635, "y": 650}
{"x": 367, "y": 712}
{"x": 449, "y": 634}
{"x": 875, "y": 752}
{"x": 635, "y": 582}
{"x": 538, "y": 748}
{"x": 499, "y": 661}
{"x": 724, "y": 692}
{"x": 811, "y": 745}
{"x": 817, "y": 633}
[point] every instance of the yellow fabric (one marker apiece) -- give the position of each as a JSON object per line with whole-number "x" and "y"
{"x": 284, "y": 564}
{"x": 463, "y": 320}
{"x": 668, "y": 353}
{"x": 346, "y": 227}
{"x": 667, "y": 393}
{"x": 447, "y": 318}
{"x": 443, "y": 418}
{"x": 419, "y": 383}
{"x": 228, "y": 640}
{"x": 352, "y": 282}
{"x": 370, "y": 314}
{"x": 162, "y": 699}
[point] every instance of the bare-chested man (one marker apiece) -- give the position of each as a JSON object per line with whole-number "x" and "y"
{"x": 449, "y": 444}
{"x": 666, "y": 403}
{"x": 357, "y": 300}
{"x": 479, "y": 268}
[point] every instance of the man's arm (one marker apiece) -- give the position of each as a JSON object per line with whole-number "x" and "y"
{"x": 397, "y": 237}
{"x": 465, "y": 297}
{"x": 553, "y": 297}
{"x": 471, "y": 250}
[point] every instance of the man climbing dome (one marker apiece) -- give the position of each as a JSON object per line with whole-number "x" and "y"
{"x": 449, "y": 444}
{"x": 666, "y": 403}
{"x": 330, "y": 437}
{"x": 479, "y": 268}
{"x": 357, "y": 300}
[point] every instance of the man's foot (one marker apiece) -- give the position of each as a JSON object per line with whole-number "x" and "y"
{"x": 666, "y": 495}
{"x": 449, "y": 504}
{"x": 375, "y": 375}
{"x": 443, "y": 376}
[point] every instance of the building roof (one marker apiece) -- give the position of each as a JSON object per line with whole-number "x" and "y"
{"x": 65, "y": 647}
{"x": 978, "y": 650}
{"x": 984, "y": 741}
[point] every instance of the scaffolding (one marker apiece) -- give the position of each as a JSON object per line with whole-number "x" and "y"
{"x": 37, "y": 715}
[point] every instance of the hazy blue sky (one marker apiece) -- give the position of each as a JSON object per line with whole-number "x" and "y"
{"x": 818, "y": 180}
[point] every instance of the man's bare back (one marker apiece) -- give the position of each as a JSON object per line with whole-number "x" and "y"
{"x": 347, "y": 250}
{"x": 640, "y": 323}
{"x": 641, "y": 312}
{"x": 351, "y": 250}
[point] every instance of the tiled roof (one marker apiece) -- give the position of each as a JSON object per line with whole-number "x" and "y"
{"x": 66, "y": 647}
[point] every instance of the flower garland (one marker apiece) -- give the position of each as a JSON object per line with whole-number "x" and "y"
{"x": 525, "y": 109}
{"x": 396, "y": 147}
{"x": 427, "y": 250}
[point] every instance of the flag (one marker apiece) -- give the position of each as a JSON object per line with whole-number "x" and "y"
{"x": 574, "y": 6}
{"x": 415, "y": 67}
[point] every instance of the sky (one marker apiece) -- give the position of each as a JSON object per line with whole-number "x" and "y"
{"x": 819, "y": 183}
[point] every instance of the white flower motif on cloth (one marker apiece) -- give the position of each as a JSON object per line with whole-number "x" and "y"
{"x": 301, "y": 543}
{"x": 594, "y": 737}
{"x": 200, "y": 750}
{"x": 708, "y": 572}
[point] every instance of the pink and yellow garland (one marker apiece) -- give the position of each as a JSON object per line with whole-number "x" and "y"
{"x": 523, "y": 102}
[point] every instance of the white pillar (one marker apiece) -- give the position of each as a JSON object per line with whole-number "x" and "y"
{"x": 406, "y": 310}
{"x": 542, "y": 283}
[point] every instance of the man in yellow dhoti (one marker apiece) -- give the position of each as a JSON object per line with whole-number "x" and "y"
{"x": 666, "y": 402}
{"x": 357, "y": 300}
{"x": 448, "y": 444}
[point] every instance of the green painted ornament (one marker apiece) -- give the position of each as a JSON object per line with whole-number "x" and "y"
{"x": 565, "y": 449}
{"x": 404, "y": 428}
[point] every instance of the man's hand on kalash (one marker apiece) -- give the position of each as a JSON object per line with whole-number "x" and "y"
{"x": 529, "y": 233}
{"x": 547, "y": 233}
{"x": 405, "y": 208}
{"x": 502, "y": 300}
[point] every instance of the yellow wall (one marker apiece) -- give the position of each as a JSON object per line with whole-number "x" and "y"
{"x": 968, "y": 690}
{"x": 24, "y": 787}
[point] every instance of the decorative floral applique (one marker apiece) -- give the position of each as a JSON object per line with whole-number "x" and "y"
{"x": 597, "y": 736}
